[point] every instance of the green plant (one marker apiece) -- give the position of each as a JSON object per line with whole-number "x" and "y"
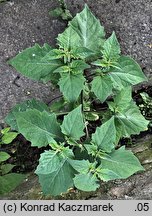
{"x": 8, "y": 181}
{"x": 87, "y": 68}
{"x": 61, "y": 11}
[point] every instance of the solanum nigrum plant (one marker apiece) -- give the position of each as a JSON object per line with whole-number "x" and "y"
{"x": 87, "y": 68}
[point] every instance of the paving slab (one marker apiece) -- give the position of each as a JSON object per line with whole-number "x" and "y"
{"x": 22, "y": 24}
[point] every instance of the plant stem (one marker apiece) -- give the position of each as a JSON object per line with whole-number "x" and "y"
{"x": 54, "y": 99}
{"x": 61, "y": 113}
{"x": 82, "y": 100}
{"x": 87, "y": 132}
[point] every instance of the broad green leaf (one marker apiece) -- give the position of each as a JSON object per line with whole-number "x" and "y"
{"x": 10, "y": 181}
{"x": 71, "y": 85}
{"x": 98, "y": 62}
{"x": 127, "y": 72}
{"x": 78, "y": 66}
{"x": 6, "y": 168}
{"x": 40, "y": 128}
{"x": 9, "y": 137}
{"x": 111, "y": 48}
{"x": 73, "y": 124}
{"x": 128, "y": 118}
{"x": 89, "y": 30}
{"x": 122, "y": 162}
{"x": 123, "y": 98}
{"x": 81, "y": 166}
{"x": 82, "y": 52}
{"x": 55, "y": 173}
{"x": 106, "y": 174}
{"x": 26, "y": 105}
{"x": 86, "y": 182}
{"x": 130, "y": 121}
{"x": 102, "y": 87}
{"x": 48, "y": 162}
{"x": 62, "y": 69}
{"x": 4, "y": 156}
{"x": 55, "y": 54}
{"x": 35, "y": 62}
{"x": 105, "y": 136}
{"x": 68, "y": 40}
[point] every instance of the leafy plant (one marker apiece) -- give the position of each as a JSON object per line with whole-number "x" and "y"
{"x": 8, "y": 181}
{"x": 87, "y": 68}
{"x": 61, "y": 11}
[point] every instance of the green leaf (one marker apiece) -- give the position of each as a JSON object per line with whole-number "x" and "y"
{"x": 123, "y": 98}
{"x": 55, "y": 54}
{"x": 92, "y": 149}
{"x": 6, "y": 168}
{"x": 73, "y": 124}
{"x": 66, "y": 15}
{"x": 58, "y": 105}
{"x": 122, "y": 162}
{"x": 89, "y": 30}
{"x": 102, "y": 87}
{"x": 40, "y": 128}
{"x": 57, "y": 12}
{"x": 127, "y": 72}
{"x": 26, "y": 105}
{"x": 128, "y": 118}
{"x": 105, "y": 136}
{"x": 81, "y": 166}
{"x": 111, "y": 48}
{"x": 71, "y": 85}
{"x": 5, "y": 130}
{"x": 106, "y": 174}
{"x": 130, "y": 121}
{"x": 4, "y": 156}
{"x": 78, "y": 66}
{"x": 60, "y": 12}
{"x": 82, "y": 52}
{"x": 9, "y": 137}
{"x": 10, "y": 181}
{"x": 68, "y": 39}
{"x": 55, "y": 173}
{"x": 86, "y": 182}
{"x": 62, "y": 69}
{"x": 35, "y": 62}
